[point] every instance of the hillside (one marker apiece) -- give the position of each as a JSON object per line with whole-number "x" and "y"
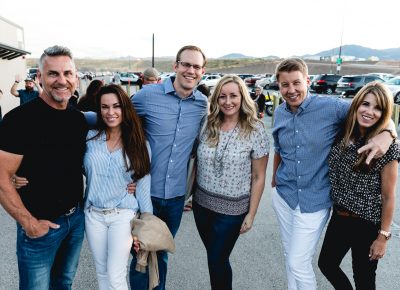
{"x": 252, "y": 65}
{"x": 363, "y": 52}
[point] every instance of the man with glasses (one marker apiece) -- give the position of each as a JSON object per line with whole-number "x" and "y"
{"x": 171, "y": 114}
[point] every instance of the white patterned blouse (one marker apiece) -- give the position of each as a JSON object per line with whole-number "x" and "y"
{"x": 223, "y": 177}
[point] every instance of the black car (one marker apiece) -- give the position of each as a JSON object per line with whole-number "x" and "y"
{"x": 325, "y": 83}
{"x": 350, "y": 85}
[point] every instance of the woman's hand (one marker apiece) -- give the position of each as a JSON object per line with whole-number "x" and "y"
{"x": 131, "y": 188}
{"x": 378, "y": 248}
{"x": 136, "y": 244}
{"x": 247, "y": 224}
{"x": 19, "y": 182}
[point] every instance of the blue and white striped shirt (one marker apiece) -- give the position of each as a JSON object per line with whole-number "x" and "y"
{"x": 107, "y": 179}
{"x": 171, "y": 124}
{"x": 303, "y": 139}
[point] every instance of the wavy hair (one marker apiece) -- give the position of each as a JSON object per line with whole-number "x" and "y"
{"x": 351, "y": 130}
{"x": 247, "y": 113}
{"x": 132, "y": 134}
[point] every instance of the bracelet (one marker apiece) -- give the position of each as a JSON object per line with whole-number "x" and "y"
{"x": 16, "y": 82}
{"x": 390, "y": 132}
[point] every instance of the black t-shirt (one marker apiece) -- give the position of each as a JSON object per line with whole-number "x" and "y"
{"x": 52, "y": 143}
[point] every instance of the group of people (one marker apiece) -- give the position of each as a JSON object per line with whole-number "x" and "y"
{"x": 135, "y": 159}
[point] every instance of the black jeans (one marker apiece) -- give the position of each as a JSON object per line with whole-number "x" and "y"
{"x": 219, "y": 233}
{"x": 343, "y": 234}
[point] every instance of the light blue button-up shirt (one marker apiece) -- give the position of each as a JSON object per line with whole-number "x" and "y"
{"x": 107, "y": 179}
{"x": 171, "y": 125}
{"x": 304, "y": 139}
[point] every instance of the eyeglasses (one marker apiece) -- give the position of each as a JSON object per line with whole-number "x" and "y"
{"x": 188, "y": 65}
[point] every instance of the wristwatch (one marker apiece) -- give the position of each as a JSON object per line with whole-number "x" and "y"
{"x": 386, "y": 234}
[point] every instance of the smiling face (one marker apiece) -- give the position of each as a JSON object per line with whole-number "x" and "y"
{"x": 293, "y": 88}
{"x": 111, "y": 111}
{"x": 229, "y": 100}
{"x": 189, "y": 71}
{"x": 368, "y": 113}
{"x": 59, "y": 81}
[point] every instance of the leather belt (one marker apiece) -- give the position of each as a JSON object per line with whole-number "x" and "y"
{"x": 70, "y": 211}
{"x": 346, "y": 213}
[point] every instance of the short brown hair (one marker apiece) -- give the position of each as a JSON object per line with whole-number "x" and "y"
{"x": 191, "y": 47}
{"x": 290, "y": 65}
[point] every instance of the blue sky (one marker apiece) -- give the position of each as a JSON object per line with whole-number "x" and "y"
{"x": 104, "y": 29}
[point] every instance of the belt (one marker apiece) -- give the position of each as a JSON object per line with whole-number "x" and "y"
{"x": 70, "y": 211}
{"x": 346, "y": 214}
{"x": 106, "y": 211}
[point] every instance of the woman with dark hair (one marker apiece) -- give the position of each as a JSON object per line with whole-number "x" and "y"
{"x": 87, "y": 102}
{"x": 232, "y": 158}
{"x": 117, "y": 154}
{"x": 363, "y": 195}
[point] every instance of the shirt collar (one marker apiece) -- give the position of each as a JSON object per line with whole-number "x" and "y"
{"x": 303, "y": 105}
{"x": 169, "y": 89}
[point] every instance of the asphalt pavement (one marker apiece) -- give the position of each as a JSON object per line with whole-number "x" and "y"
{"x": 257, "y": 259}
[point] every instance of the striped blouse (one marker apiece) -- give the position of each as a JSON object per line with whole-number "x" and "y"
{"x": 107, "y": 178}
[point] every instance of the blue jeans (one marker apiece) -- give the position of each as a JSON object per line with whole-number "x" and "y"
{"x": 219, "y": 233}
{"x": 50, "y": 262}
{"x": 170, "y": 211}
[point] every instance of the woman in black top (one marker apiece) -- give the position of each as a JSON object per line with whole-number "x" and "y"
{"x": 363, "y": 195}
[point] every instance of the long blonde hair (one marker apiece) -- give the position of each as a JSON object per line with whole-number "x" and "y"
{"x": 351, "y": 131}
{"x": 247, "y": 113}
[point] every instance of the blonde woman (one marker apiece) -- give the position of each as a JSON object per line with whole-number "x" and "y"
{"x": 232, "y": 159}
{"x": 363, "y": 195}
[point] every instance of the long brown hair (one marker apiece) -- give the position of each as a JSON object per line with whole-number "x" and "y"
{"x": 132, "y": 134}
{"x": 350, "y": 131}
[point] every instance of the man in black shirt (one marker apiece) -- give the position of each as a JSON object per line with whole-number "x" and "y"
{"x": 44, "y": 141}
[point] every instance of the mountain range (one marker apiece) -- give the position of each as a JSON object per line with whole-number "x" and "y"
{"x": 349, "y": 50}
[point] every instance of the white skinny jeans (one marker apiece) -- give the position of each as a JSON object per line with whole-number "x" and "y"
{"x": 300, "y": 233}
{"x": 110, "y": 240}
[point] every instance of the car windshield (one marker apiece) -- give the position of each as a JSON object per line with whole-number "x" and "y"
{"x": 350, "y": 79}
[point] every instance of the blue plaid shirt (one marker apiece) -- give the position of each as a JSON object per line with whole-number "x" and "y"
{"x": 171, "y": 125}
{"x": 304, "y": 139}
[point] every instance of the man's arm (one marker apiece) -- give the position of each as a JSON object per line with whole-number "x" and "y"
{"x": 275, "y": 165}
{"x": 37, "y": 85}
{"x": 11, "y": 201}
{"x": 14, "y": 87}
{"x": 379, "y": 145}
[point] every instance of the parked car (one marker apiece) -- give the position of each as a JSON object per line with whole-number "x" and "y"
{"x": 263, "y": 82}
{"x": 32, "y": 72}
{"x": 383, "y": 76}
{"x": 273, "y": 85}
{"x": 351, "y": 84}
{"x": 243, "y": 76}
{"x": 251, "y": 81}
{"x": 394, "y": 86}
{"x": 128, "y": 77}
{"x": 325, "y": 83}
{"x": 210, "y": 80}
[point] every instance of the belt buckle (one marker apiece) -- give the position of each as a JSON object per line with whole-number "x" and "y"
{"x": 108, "y": 211}
{"x": 71, "y": 211}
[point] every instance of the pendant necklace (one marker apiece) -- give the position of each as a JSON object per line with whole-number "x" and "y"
{"x": 220, "y": 153}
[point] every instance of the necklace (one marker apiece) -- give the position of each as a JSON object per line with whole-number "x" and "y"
{"x": 220, "y": 153}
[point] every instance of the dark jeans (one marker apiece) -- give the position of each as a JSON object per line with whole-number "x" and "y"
{"x": 343, "y": 234}
{"x": 219, "y": 233}
{"x": 50, "y": 262}
{"x": 170, "y": 211}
